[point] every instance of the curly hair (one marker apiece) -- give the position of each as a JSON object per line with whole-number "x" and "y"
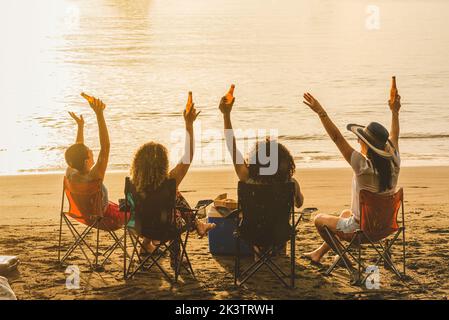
{"x": 150, "y": 167}
{"x": 286, "y": 164}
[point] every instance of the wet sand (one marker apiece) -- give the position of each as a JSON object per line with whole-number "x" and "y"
{"x": 29, "y": 211}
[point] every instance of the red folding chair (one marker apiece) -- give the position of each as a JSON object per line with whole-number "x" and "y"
{"x": 378, "y": 221}
{"x": 86, "y": 208}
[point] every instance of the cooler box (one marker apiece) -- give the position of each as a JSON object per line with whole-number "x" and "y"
{"x": 221, "y": 239}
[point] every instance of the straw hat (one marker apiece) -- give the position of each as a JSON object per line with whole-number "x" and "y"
{"x": 376, "y": 137}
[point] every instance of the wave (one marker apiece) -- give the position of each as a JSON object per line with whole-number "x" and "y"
{"x": 408, "y": 136}
{"x": 420, "y": 136}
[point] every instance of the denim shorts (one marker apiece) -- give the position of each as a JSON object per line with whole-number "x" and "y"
{"x": 348, "y": 225}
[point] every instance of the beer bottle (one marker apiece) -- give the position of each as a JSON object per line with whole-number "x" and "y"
{"x": 394, "y": 89}
{"x": 87, "y": 97}
{"x": 189, "y": 102}
{"x": 230, "y": 94}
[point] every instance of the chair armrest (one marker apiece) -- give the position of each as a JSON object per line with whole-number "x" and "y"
{"x": 301, "y": 215}
{"x": 234, "y": 214}
{"x": 202, "y": 204}
{"x": 184, "y": 209}
{"x": 124, "y": 205}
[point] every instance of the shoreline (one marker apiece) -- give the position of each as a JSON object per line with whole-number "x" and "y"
{"x": 299, "y": 166}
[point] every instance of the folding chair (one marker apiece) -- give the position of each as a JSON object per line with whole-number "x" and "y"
{"x": 378, "y": 221}
{"x": 86, "y": 208}
{"x": 268, "y": 222}
{"x": 154, "y": 217}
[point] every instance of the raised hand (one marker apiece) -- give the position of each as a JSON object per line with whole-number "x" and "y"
{"x": 190, "y": 113}
{"x": 96, "y": 104}
{"x": 79, "y": 120}
{"x": 227, "y": 102}
{"x": 395, "y": 105}
{"x": 313, "y": 104}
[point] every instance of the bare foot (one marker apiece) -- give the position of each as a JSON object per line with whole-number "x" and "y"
{"x": 148, "y": 247}
{"x": 203, "y": 228}
{"x": 313, "y": 257}
{"x": 257, "y": 253}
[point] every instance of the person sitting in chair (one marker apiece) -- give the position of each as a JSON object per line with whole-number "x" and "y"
{"x": 150, "y": 169}
{"x": 253, "y": 170}
{"x": 83, "y": 169}
{"x": 376, "y": 168}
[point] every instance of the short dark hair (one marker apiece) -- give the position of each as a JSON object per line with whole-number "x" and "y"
{"x": 76, "y": 155}
{"x": 286, "y": 164}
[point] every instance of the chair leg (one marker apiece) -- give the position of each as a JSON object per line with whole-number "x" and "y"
{"x": 167, "y": 276}
{"x": 269, "y": 261}
{"x": 403, "y": 252}
{"x": 255, "y": 267}
{"x": 154, "y": 262}
{"x": 340, "y": 253}
{"x": 134, "y": 253}
{"x": 79, "y": 238}
{"x": 97, "y": 247}
{"x": 117, "y": 244}
{"x": 60, "y": 238}
{"x": 60, "y": 224}
{"x": 185, "y": 253}
{"x": 255, "y": 264}
{"x": 178, "y": 259}
{"x": 293, "y": 260}
{"x": 276, "y": 274}
{"x": 383, "y": 256}
{"x": 125, "y": 250}
{"x": 133, "y": 273}
{"x": 359, "y": 275}
{"x": 237, "y": 260}
{"x": 265, "y": 259}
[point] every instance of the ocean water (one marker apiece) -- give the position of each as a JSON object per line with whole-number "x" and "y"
{"x": 143, "y": 56}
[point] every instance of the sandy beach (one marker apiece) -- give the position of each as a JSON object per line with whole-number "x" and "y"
{"x": 29, "y": 210}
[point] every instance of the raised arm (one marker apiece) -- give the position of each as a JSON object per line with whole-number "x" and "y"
{"x": 331, "y": 129}
{"x": 99, "y": 169}
{"x": 80, "y": 122}
{"x": 180, "y": 171}
{"x": 395, "y": 106}
{"x": 241, "y": 169}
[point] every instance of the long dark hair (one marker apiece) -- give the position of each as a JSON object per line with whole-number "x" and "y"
{"x": 286, "y": 164}
{"x": 383, "y": 167}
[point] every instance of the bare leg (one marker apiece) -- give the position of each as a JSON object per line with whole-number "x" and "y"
{"x": 203, "y": 228}
{"x": 148, "y": 246}
{"x": 329, "y": 221}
